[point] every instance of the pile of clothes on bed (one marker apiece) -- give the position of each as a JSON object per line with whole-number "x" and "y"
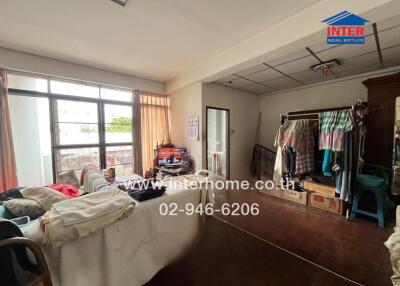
{"x": 59, "y": 213}
{"x": 35, "y": 201}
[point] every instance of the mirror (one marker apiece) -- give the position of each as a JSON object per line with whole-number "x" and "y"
{"x": 218, "y": 141}
{"x": 396, "y": 151}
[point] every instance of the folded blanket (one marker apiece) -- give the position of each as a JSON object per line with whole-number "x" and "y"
{"x": 45, "y": 196}
{"x": 78, "y": 217}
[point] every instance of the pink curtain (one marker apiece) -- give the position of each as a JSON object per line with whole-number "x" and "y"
{"x": 8, "y": 172}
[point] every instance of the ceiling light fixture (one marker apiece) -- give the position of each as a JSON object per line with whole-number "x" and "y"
{"x": 326, "y": 67}
{"x": 120, "y": 2}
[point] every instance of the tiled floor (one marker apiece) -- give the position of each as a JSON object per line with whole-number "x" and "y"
{"x": 286, "y": 244}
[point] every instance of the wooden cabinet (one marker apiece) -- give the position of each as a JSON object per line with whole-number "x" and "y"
{"x": 382, "y": 93}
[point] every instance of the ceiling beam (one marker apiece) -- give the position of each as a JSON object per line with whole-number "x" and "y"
{"x": 318, "y": 58}
{"x": 314, "y": 55}
{"x": 378, "y": 45}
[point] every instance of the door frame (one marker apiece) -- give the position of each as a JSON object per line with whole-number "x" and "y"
{"x": 228, "y": 149}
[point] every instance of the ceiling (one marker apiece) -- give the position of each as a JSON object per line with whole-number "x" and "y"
{"x": 157, "y": 39}
{"x": 293, "y": 70}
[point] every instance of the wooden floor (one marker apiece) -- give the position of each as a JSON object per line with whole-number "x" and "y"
{"x": 286, "y": 244}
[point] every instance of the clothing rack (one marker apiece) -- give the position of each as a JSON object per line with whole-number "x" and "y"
{"x": 313, "y": 115}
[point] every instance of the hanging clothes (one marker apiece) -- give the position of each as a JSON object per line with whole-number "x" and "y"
{"x": 332, "y": 126}
{"x": 296, "y": 140}
{"x": 291, "y": 160}
{"x": 305, "y": 161}
{"x": 326, "y": 163}
{"x": 294, "y": 133}
{"x": 278, "y": 168}
{"x": 343, "y": 178}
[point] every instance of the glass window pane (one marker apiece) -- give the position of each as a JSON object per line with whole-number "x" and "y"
{"x": 118, "y": 123}
{"x": 30, "y": 124}
{"x": 120, "y": 158}
{"x": 76, "y": 122}
{"x": 27, "y": 82}
{"x": 74, "y": 89}
{"x": 75, "y": 159}
{"x": 116, "y": 94}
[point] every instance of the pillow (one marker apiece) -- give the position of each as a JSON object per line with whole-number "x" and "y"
{"x": 68, "y": 178}
{"x": 24, "y": 207}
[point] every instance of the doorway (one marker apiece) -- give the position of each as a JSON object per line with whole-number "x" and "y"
{"x": 218, "y": 141}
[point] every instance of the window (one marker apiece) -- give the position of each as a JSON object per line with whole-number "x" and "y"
{"x": 27, "y": 83}
{"x": 73, "y": 89}
{"x": 75, "y": 158}
{"x": 30, "y": 124}
{"x": 118, "y": 123}
{"x": 120, "y": 158}
{"x": 116, "y": 94}
{"x": 76, "y": 122}
{"x": 84, "y": 123}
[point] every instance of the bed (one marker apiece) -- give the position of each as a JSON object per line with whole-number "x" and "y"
{"x": 132, "y": 250}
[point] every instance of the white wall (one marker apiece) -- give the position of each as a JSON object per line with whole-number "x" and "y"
{"x": 331, "y": 94}
{"x": 184, "y": 103}
{"x": 243, "y": 108}
{"x": 14, "y": 60}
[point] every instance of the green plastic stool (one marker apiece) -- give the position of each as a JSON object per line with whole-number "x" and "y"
{"x": 375, "y": 185}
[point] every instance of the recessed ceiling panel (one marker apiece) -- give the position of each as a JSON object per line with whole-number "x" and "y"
{"x": 252, "y": 70}
{"x": 391, "y": 54}
{"x": 388, "y": 23}
{"x": 389, "y": 37}
{"x": 227, "y": 79}
{"x": 298, "y": 65}
{"x": 258, "y": 89}
{"x": 264, "y": 75}
{"x": 344, "y": 52}
{"x": 238, "y": 83}
{"x": 358, "y": 64}
{"x": 282, "y": 83}
{"x": 322, "y": 46}
{"x": 308, "y": 76}
{"x": 288, "y": 58}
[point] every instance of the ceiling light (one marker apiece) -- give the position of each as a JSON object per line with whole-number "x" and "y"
{"x": 121, "y": 2}
{"x": 326, "y": 67}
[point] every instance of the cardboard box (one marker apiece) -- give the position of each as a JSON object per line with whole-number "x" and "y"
{"x": 319, "y": 188}
{"x": 325, "y": 202}
{"x": 288, "y": 194}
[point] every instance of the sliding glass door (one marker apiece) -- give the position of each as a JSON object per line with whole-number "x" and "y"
{"x": 218, "y": 141}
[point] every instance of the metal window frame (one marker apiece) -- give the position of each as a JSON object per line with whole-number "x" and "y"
{"x": 102, "y": 145}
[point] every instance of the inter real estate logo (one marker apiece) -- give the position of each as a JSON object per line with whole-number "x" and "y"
{"x": 345, "y": 28}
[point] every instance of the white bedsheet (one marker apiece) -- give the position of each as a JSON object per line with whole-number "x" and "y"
{"x": 130, "y": 251}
